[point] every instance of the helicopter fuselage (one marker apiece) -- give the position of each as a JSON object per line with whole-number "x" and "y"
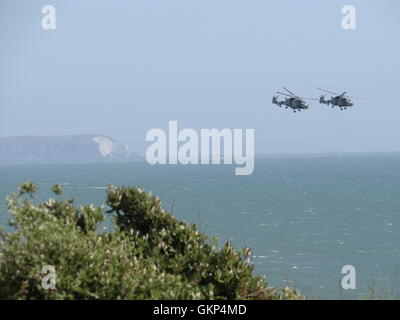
{"x": 342, "y": 101}
{"x": 293, "y": 103}
{"x": 338, "y": 101}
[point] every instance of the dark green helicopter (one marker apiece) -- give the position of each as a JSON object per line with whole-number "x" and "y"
{"x": 294, "y": 102}
{"x": 339, "y": 100}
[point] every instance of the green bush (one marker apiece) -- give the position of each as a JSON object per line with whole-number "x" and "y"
{"x": 148, "y": 255}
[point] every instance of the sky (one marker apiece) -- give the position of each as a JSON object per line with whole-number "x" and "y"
{"x": 123, "y": 67}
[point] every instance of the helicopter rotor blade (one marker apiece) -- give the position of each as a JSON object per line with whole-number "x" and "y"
{"x": 285, "y": 94}
{"x": 308, "y": 98}
{"x": 289, "y": 91}
{"x": 328, "y": 91}
{"x": 351, "y": 97}
{"x": 356, "y": 98}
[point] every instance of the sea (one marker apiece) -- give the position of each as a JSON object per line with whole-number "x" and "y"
{"x": 305, "y": 217}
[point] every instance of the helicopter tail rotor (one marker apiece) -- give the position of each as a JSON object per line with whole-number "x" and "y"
{"x": 323, "y": 100}
{"x": 275, "y": 100}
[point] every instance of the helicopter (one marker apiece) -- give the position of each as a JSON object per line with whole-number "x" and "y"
{"x": 294, "y": 102}
{"x": 339, "y": 100}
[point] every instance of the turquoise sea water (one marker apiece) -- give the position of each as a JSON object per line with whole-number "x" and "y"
{"x": 304, "y": 217}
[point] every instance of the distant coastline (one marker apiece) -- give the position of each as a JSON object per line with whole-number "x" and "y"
{"x": 61, "y": 148}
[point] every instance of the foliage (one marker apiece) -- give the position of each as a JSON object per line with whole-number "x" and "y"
{"x": 148, "y": 255}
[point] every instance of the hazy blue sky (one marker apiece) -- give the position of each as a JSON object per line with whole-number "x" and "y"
{"x": 123, "y": 67}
